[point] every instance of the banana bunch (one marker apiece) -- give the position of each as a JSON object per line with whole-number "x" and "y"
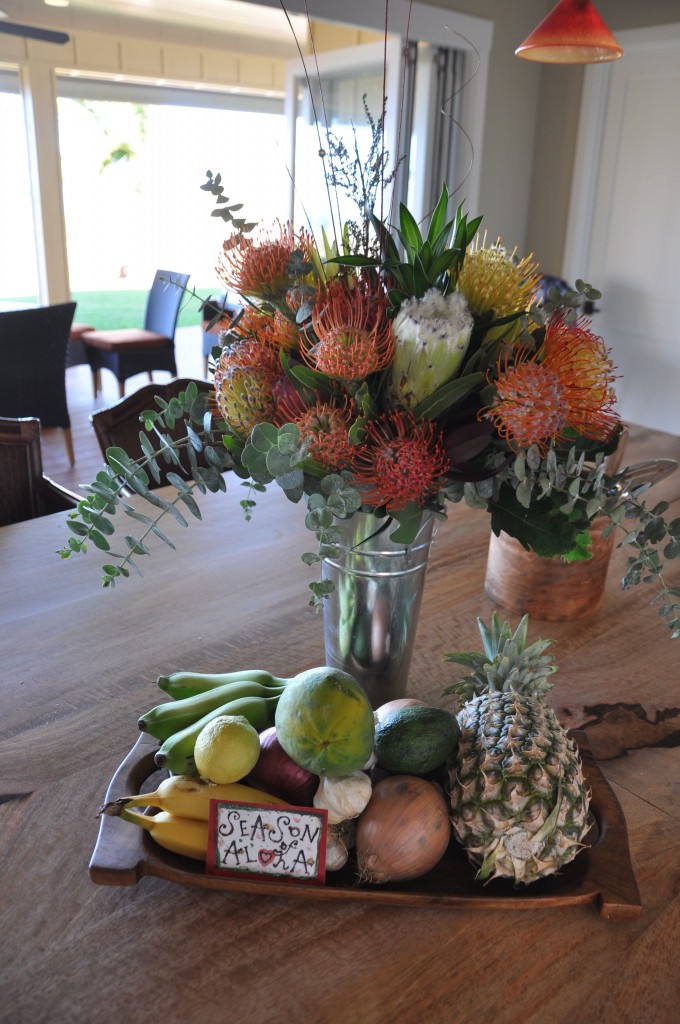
{"x": 183, "y": 802}
{"x": 198, "y": 699}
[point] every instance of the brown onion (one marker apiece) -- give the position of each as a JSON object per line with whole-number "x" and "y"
{"x": 277, "y": 773}
{"x": 394, "y": 705}
{"x": 404, "y": 830}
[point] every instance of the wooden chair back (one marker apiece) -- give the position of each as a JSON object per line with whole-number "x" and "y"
{"x": 26, "y": 492}
{"x": 119, "y": 426}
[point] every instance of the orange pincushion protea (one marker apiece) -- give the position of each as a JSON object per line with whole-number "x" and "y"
{"x": 248, "y": 352}
{"x": 325, "y": 427}
{"x": 401, "y": 462}
{"x": 260, "y": 266}
{"x": 271, "y": 329}
{"x": 353, "y": 335}
{"x": 565, "y": 386}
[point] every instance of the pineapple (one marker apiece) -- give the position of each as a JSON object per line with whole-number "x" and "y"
{"x": 518, "y": 797}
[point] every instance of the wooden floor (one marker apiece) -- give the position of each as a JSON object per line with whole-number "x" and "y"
{"x": 81, "y": 403}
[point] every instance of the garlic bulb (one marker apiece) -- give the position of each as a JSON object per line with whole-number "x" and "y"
{"x": 336, "y": 850}
{"x": 343, "y": 796}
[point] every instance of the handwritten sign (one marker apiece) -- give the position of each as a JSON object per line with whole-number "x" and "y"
{"x": 272, "y": 842}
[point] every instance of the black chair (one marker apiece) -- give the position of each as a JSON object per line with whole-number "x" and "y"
{"x": 129, "y": 351}
{"x": 33, "y": 356}
{"x": 26, "y": 492}
{"x": 119, "y": 425}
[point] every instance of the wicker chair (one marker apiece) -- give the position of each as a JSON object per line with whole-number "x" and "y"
{"x": 119, "y": 425}
{"x": 26, "y": 492}
{"x": 133, "y": 350}
{"x": 33, "y": 355}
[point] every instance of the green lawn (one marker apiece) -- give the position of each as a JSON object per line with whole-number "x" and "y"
{"x": 110, "y": 310}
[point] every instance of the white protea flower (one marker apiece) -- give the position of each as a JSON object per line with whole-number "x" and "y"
{"x": 432, "y": 335}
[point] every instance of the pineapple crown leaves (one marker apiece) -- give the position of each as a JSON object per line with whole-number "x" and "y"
{"x": 505, "y": 664}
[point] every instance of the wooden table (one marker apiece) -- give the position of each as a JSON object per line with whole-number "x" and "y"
{"x": 79, "y": 665}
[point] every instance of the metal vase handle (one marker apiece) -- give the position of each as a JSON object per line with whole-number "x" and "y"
{"x": 649, "y": 472}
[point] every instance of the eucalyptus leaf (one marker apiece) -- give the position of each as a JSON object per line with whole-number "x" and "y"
{"x": 191, "y": 503}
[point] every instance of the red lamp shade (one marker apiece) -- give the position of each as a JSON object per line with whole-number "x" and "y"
{"x": 573, "y": 33}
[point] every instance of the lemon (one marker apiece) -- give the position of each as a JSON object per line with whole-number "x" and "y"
{"x": 226, "y": 749}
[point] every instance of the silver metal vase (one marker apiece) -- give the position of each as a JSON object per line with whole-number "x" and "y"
{"x": 370, "y": 619}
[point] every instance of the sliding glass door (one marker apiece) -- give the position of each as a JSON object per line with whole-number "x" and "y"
{"x": 18, "y": 260}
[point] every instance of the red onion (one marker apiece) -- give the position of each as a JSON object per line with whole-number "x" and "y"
{"x": 277, "y": 773}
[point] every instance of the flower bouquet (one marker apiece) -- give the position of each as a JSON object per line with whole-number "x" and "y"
{"x": 394, "y": 371}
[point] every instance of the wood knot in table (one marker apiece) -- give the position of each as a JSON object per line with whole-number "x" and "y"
{"x": 614, "y": 729}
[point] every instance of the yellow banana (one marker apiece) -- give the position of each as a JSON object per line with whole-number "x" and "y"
{"x": 186, "y": 836}
{"x": 186, "y": 796}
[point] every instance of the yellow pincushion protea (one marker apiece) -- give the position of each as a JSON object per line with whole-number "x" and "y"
{"x": 494, "y": 281}
{"x": 244, "y": 397}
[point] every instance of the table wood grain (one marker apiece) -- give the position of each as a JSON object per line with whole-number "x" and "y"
{"x": 78, "y": 667}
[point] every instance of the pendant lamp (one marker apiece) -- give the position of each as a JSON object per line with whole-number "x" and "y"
{"x": 572, "y": 33}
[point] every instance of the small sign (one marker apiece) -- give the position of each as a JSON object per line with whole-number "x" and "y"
{"x": 268, "y": 842}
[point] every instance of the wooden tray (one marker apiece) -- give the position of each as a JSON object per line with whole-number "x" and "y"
{"x": 602, "y": 874}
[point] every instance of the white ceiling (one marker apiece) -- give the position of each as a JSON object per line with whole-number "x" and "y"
{"x": 233, "y": 16}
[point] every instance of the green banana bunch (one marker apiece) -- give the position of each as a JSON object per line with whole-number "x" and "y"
{"x": 166, "y": 719}
{"x": 176, "y": 753}
{"x": 180, "y": 685}
{"x": 186, "y": 796}
{"x": 187, "y": 836}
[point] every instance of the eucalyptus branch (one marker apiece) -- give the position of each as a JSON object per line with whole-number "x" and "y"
{"x": 92, "y": 521}
{"x": 655, "y": 541}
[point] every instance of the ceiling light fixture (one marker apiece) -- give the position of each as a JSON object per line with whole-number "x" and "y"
{"x": 572, "y": 33}
{"x": 56, "y": 3}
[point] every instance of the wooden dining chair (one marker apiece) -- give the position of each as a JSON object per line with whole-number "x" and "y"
{"x": 119, "y": 425}
{"x": 25, "y": 492}
{"x": 131, "y": 350}
{"x": 33, "y": 356}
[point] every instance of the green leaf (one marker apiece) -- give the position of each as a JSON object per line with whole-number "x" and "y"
{"x": 100, "y": 541}
{"x": 308, "y": 377}
{"x": 101, "y": 524}
{"x": 447, "y": 396}
{"x": 188, "y": 499}
{"x": 354, "y": 261}
{"x": 538, "y": 528}
{"x": 136, "y": 546}
{"x": 179, "y": 483}
{"x": 292, "y": 481}
{"x": 409, "y": 232}
{"x": 80, "y": 529}
{"x": 409, "y": 520}
{"x": 263, "y": 436}
{"x": 438, "y": 218}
